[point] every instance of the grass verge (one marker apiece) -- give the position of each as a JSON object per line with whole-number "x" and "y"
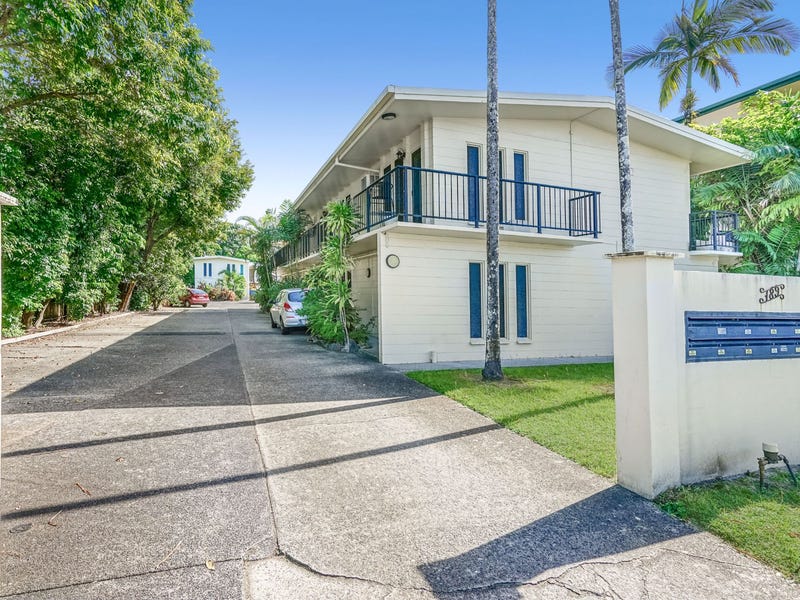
{"x": 764, "y": 524}
{"x": 567, "y": 408}
{"x": 570, "y": 409}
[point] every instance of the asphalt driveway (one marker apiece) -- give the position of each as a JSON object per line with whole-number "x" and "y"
{"x": 200, "y": 454}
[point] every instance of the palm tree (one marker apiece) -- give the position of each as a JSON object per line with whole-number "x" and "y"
{"x": 492, "y": 369}
{"x": 623, "y": 142}
{"x": 698, "y": 41}
{"x": 264, "y": 235}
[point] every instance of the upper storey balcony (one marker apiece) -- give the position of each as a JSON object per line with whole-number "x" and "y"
{"x": 432, "y": 197}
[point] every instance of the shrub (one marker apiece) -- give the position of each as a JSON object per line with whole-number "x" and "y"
{"x": 265, "y": 295}
{"x": 233, "y": 282}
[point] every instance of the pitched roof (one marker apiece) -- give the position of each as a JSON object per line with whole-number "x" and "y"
{"x": 776, "y": 84}
{"x": 411, "y": 106}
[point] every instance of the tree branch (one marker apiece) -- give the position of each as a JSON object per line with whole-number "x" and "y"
{"x": 11, "y": 106}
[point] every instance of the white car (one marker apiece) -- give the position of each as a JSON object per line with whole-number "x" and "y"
{"x": 283, "y": 312}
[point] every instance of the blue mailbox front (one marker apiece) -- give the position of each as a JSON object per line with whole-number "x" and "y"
{"x": 722, "y": 336}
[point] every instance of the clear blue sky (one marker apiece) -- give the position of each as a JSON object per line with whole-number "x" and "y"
{"x": 297, "y": 75}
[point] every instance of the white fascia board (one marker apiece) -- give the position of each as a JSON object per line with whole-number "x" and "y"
{"x": 375, "y": 110}
{"x": 7, "y": 200}
{"x": 585, "y": 105}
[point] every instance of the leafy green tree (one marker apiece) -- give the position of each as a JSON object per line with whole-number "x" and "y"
{"x": 766, "y": 192}
{"x": 268, "y": 232}
{"x": 233, "y": 240}
{"x": 263, "y": 237}
{"x": 700, "y": 39}
{"x": 114, "y": 138}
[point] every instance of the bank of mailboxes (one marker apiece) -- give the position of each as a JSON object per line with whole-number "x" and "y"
{"x": 722, "y": 336}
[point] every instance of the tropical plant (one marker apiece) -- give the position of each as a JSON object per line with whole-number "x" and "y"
{"x": 234, "y": 282}
{"x": 623, "y": 141}
{"x": 329, "y": 308}
{"x": 772, "y": 252}
{"x": 492, "y": 367}
{"x": 766, "y": 192}
{"x": 700, "y": 39}
{"x": 268, "y": 232}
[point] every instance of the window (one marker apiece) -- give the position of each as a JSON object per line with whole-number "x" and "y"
{"x": 241, "y": 269}
{"x": 475, "y": 313}
{"x": 297, "y": 296}
{"x": 521, "y": 284}
{"x": 204, "y": 269}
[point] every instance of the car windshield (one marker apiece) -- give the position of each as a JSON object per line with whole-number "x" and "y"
{"x": 297, "y": 296}
{"x": 197, "y": 291}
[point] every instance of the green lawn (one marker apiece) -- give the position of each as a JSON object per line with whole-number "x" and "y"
{"x": 567, "y": 408}
{"x": 764, "y": 524}
{"x": 570, "y": 409}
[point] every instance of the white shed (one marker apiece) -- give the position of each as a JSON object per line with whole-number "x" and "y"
{"x": 208, "y": 269}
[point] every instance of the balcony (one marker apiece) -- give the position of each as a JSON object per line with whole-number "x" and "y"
{"x": 713, "y": 231}
{"x": 432, "y": 197}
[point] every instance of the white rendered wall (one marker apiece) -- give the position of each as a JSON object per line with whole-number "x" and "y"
{"x": 728, "y": 409}
{"x": 680, "y": 422}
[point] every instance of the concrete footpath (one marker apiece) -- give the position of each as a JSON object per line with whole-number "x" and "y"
{"x": 199, "y": 454}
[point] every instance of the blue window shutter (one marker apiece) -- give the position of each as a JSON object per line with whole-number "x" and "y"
{"x": 502, "y": 301}
{"x": 522, "y": 301}
{"x": 473, "y": 185}
{"x": 241, "y": 269}
{"x": 475, "y": 316}
{"x": 519, "y": 187}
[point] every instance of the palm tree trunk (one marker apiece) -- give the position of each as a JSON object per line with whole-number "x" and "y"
{"x": 623, "y": 142}
{"x": 492, "y": 369}
{"x": 689, "y": 100}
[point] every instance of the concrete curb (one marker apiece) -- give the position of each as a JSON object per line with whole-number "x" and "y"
{"x": 33, "y": 336}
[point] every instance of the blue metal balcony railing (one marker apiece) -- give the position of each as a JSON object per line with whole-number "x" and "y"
{"x": 713, "y": 230}
{"x": 309, "y": 243}
{"x": 416, "y": 195}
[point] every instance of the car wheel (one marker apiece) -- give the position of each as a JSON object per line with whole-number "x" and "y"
{"x": 284, "y": 329}
{"x": 206, "y": 304}
{"x": 272, "y": 322}
{"x": 186, "y": 304}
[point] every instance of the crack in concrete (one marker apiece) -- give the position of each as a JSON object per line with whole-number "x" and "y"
{"x": 119, "y": 578}
{"x": 752, "y": 566}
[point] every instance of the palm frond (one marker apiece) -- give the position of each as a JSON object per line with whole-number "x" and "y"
{"x": 672, "y": 78}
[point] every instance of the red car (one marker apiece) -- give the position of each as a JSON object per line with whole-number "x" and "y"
{"x": 194, "y": 296}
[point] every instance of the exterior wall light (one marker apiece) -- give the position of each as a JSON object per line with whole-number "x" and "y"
{"x": 771, "y": 456}
{"x": 393, "y": 261}
{"x": 389, "y": 116}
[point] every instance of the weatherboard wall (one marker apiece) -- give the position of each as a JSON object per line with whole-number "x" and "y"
{"x": 424, "y": 302}
{"x": 571, "y": 154}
